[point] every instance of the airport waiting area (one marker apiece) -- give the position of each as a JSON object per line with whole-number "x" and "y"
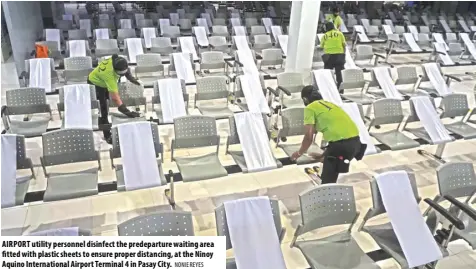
{"x": 226, "y": 135}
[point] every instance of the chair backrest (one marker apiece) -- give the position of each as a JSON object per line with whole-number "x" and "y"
{"x": 149, "y": 59}
{"x": 78, "y": 63}
{"x": 451, "y": 37}
{"x": 217, "y": 41}
{"x": 222, "y": 224}
{"x": 424, "y": 29}
{"x": 327, "y": 205}
{"x": 106, "y": 24}
{"x": 399, "y": 29}
{"x": 106, "y": 44}
{"x": 455, "y": 49}
{"x": 161, "y": 42}
{"x": 455, "y": 105}
{"x": 77, "y": 34}
{"x": 195, "y": 131}
{"x": 185, "y": 24}
{"x": 406, "y": 75}
{"x": 130, "y": 93}
{"x": 262, "y": 39}
{"x": 126, "y": 33}
{"x": 171, "y": 31}
{"x": 272, "y": 55}
{"x": 68, "y": 146}
{"x": 293, "y": 82}
{"x": 116, "y": 145}
{"x": 212, "y": 87}
{"x": 258, "y": 30}
{"x": 145, "y": 23}
{"x": 158, "y": 224}
{"x": 352, "y": 78}
{"x": 26, "y": 101}
{"x": 219, "y": 22}
{"x": 292, "y": 122}
{"x": 387, "y": 111}
{"x": 364, "y": 52}
{"x": 212, "y": 57}
{"x": 457, "y": 179}
{"x": 220, "y": 29}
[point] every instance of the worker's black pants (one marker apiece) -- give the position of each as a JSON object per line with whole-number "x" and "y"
{"x": 337, "y": 157}
{"x": 336, "y": 62}
{"x": 103, "y": 96}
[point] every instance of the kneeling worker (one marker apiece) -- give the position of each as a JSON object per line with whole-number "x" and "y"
{"x": 106, "y": 77}
{"x": 337, "y": 128}
{"x": 333, "y": 44}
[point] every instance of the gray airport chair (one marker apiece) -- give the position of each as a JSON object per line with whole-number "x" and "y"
{"x": 366, "y": 53}
{"x": 293, "y": 125}
{"x": 185, "y": 26}
{"x": 354, "y": 79}
{"x": 77, "y": 34}
{"x": 171, "y": 31}
{"x": 257, "y": 30}
{"x": 218, "y": 43}
{"x": 213, "y": 88}
{"x": 234, "y": 139}
{"x": 123, "y": 34}
{"x": 383, "y": 234}
{"x": 158, "y": 224}
{"x": 94, "y": 106}
{"x": 213, "y": 60}
{"x": 389, "y": 111}
{"x": 407, "y": 75}
{"x": 222, "y": 227}
{"x": 291, "y": 85}
{"x": 156, "y": 100}
{"x": 162, "y": 45}
{"x": 271, "y": 58}
{"x": 132, "y": 96}
{"x": 149, "y": 68}
{"x": 26, "y": 101}
{"x": 430, "y": 89}
{"x": 115, "y": 152}
{"x": 219, "y": 21}
{"x": 456, "y": 105}
{"x": 106, "y": 47}
{"x": 77, "y": 69}
{"x": 220, "y": 30}
{"x": 65, "y": 147}
{"x": 261, "y": 42}
{"x": 319, "y": 209}
{"x": 145, "y": 23}
{"x": 194, "y": 132}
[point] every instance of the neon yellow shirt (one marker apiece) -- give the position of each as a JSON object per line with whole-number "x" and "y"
{"x": 337, "y": 20}
{"x": 331, "y": 120}
{"x": 104, "y": 76}
{"x": 333, "y": 42}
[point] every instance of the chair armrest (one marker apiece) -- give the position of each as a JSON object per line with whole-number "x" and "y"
{"x": 379, "y": 56}
{"x": 271, "y": 90}
{"x": 239, "y": 63}
{"x": 455, "y": 221}
{"x": 281, "y": 88}
{"x": 439, "y": 52}
{"x": 453, "y": 78}
{"x": 228, "y": 62}
{"x": 463, "y": 207}
{"x": 211, "y": 46}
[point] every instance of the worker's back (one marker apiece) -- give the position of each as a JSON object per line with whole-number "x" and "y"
{"x": 333, "y": 42}
{"x": 330, "y": 119}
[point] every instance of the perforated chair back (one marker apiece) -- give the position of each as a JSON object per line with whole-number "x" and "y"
{"x": 162, "y": 45}
{"x": 451, "y": 38}
{"x": 219, "y": 22}
{"x": 222, "y": 224}
{"x": 456, "y": 179}
{"x": 364, "y": 52}
{"x": 293, "y": 82}
{"x": 212, "y": 60}
{"x": 272, "y": 57}
{"x": 78, "y": 34}
{"x": 123, "y": 34}
{"x": 406, "y": 75}
{"x": 220, "y": 30}
{"x": 262, "y": 42}
{"x": 150, "y": 62}
{"x": 78, "y": 63}
{"x": 131, "y": 94}
{"x": 257, "y": 30}
{"x": 249, "y": 22}
{"x": 158, "y": 224}
{"x": 387, "y": 111}
{"x": 26, "y": 101}
{"x": 68, "y": 146}
{"x": 292, "y": 122}
{"x": 352, "y": 78}
{"x": 212, "y": 87}
{"x": 109, "y": 24}
{"x": 195, "y": 131}
{"x": 171, "y": 31}
{"x": 455, "y": 105}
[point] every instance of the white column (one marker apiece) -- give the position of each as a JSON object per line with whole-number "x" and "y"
{"x": 302, "y": 35}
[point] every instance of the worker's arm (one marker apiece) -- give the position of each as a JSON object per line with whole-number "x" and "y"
{"x": 344, "y": 44}
{"x": 116, "y": 98}
{"x": 323, "y": 41}
{"x": 131, "y": 78}
{"x": 306, "y": 142}
{"x": 114, "y": 92}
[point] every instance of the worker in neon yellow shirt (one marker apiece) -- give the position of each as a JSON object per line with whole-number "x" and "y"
{"x": 337, "y": 128}
{"x": 105, "y": 77}
{"x": 335, "y": 18}
{"x": 333, "y": 44}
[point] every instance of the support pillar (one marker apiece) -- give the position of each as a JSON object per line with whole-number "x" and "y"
{"x": 302, "y": 35}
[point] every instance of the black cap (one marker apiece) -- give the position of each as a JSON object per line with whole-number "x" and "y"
{"x": 329, "y": 26}
{"x": 335, "y": 10}
{"x": 310, "y": 93}
{"x": 119, "y": 63}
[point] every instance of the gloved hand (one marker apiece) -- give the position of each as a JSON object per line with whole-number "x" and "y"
{"x": 131, "y": 114}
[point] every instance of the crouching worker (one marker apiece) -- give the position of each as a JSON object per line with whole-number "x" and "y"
{"x": 337, "y": 128}
{"x": 106, "y": 77}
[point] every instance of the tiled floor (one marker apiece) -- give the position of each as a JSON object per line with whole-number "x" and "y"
{"x": 102, "y": 213}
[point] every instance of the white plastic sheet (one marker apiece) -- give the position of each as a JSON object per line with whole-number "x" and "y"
{"x": 40, "y": 73}
{"x": 171, "y": 96}
{"x": 86, "y": 25}
{"x": 387, "y": 29}
{"x": 283, "y": 43}
{"x": 73, "y": 231}
{"x": 414, "y": 31}
{"x": 436, "y": 79}
{"x": 276, "y": 31}
{"x": 77, "y": 107}
{"x": 411, "y": 42}
{"x": 203, "y": 23}
{"x": 187, "y": 46}
{"x": 53, "y": 35}
{"x": 327, "y": 86}
{"x": 390, "y": 23}
{"x": 445, "y": 58}
{"x": 267, "y": 22}
{"x": 430, "y": 120}
{"x": 241, "y": 43}
{"x": 386, "y": 83}
{"x": 163, "y": 23}
{"x": 249, "y": 66}
{"x": 183, "y": 67}
{"x": 208, "y": 18}
{"x": 254, "y": 142}
{"x": 235, "y": 22}
{"x": 349, "y": 62}
{"x": 445, "y": 25}
{"x": 174, "y": 18}
{"x": 201, "y": 35}
{"x": 9, "y": 170}
{"x": 239, "y": 30}
{"x": 464, "y": 26}
{"x": 125, "y": 24}
{"x": 439, "y": 39}
{"x": 468, "y": 44}
{"x": 416, "y": 240}
{"x": 134, "y": 48}
{"x": 140, "y": 166}
{"x": 366, "y": 24}
{"x": 148, "y": 34}
{"x": 102, "y": 33}
{"x": 253, "y": 234}
{"x": 77, "y": 48}
{"x": 251, "y": 87}
{"x": 361, "y": 33}
{"x": 353, "y": 111}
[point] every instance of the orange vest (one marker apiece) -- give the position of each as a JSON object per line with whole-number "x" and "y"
{"x": 41, "y": 51}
